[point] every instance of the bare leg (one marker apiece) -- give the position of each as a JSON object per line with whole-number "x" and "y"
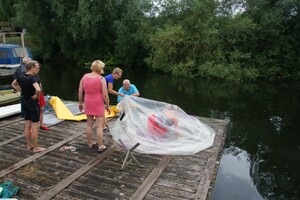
{"x": 34, "y": 134}
{"x": 104, "y": 124}
{"x": 99, "y": 122}
{"x": 89, "y": 130}
{"x": 42, "y": 126}
{"x": 34, "y": 137}
{"x": 41, "y": 116}
{"x": 27, "y": 134}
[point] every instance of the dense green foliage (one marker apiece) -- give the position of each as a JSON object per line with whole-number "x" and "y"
{"x": 230, "y": 39}
{"x": 6, "y": 10}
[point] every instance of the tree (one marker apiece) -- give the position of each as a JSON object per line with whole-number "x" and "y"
{"x": 186, "y": 38}
{"x": 277, "y": 52}
{"x": 6, "y": 9}
{"x": 79, "y": 30}
{"x": 132, "y": 29}
{"x": 228, "y": 39}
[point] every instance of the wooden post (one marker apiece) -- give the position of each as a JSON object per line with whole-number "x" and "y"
{"x": 23, "y": 45}
{"x": 3, "y": 36}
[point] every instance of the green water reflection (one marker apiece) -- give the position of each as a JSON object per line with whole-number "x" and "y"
{"x": 262, "y": 147}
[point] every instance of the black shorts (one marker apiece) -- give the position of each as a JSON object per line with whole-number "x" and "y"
{"x": 31, "y": 110}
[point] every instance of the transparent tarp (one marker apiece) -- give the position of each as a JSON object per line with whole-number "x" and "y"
{"x": 159, "y": 127}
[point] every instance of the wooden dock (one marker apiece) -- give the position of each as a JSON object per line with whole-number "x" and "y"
{"x": 86, "y": 174}
{"x": 6, "y": 75}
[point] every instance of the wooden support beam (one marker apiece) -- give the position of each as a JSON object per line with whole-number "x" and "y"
{"x": 206, "y": 179}
{"x": 70, "y": 179}
{"x": 37, "y": 155}
{"x": 150, "y": 180}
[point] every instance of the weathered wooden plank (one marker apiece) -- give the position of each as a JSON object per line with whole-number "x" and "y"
{"x": 112, "y": 178}
{"x": 198, "y": 159}
{"x": 66, "y": 158}
{"x": 88, "y": 193}
{"x": 172, "y": 176}
{"x": 61, "y": 164}
{"x": 5, "y": 164}
{"x": 41, "y": 178}
{"x": 167, "y": 179}
{"x": 107, "y": 187}
{"x": 74, "y": 194}
{"x": 144, "y": 159}
{"x": 183, "y": 170}
{"x": 150, "y": 180}
{"x": 148, "y": 164}
{"x": 14, "y": 149}
{"x": 13, "y": 153}
{"x": 10, "y": 140}
{"x": 59, "y": 187}
{"x": 37, "y": 155}
{"x": 66, "y": 197}
{"x": 59, "y": 171}
{"x": 204, "y": 184}
{"x": 172, "y": 184}
{"x": 71, "y": 159}
{"x": 13, "y": 129}
{"x": 8, "y": 122}
{"x": 4, "y": 137}
{"x": 22, "y": 183}
{"x": 21, "y": 136}
{"x": 180, "y": 179}
{"x": 168, "y": 193}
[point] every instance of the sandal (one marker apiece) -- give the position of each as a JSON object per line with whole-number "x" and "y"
{"x": 90, "y": 146}
{"x": 102, "y": 148}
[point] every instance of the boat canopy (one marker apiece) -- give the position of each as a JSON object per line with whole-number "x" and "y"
{"x": 12, "y": 54}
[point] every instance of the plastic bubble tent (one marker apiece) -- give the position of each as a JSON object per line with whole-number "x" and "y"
{"x": 159, "y": 128}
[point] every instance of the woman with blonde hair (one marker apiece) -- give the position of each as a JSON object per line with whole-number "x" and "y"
{"x": 93, "y": 89}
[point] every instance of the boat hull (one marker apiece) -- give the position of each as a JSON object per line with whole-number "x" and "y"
{"x": 7, "y": 111}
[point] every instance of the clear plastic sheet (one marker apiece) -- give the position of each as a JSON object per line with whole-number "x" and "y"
{"x": 160, "y": 128}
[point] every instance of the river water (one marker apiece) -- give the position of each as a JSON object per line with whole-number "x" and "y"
{"x": 262, "y": 148}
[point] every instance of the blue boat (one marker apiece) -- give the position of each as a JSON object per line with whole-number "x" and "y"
{"x": 11, "y": 54}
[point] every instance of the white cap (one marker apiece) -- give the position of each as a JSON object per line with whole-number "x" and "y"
{"x": 26, "y": 59}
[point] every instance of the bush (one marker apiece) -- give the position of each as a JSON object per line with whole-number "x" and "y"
{"x": 186, "y": 69}
{"x": 229, "y": 72}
